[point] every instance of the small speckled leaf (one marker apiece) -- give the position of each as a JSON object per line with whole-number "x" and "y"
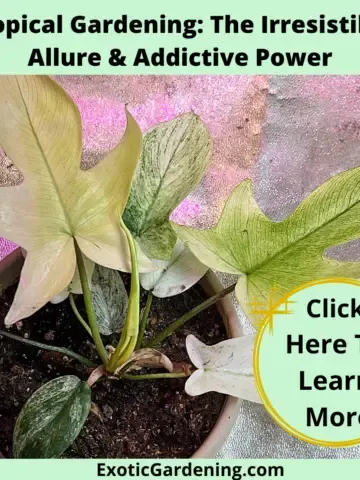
{"x": 52, "y": 418}
{"x": 225, "y": 368}
{"x": 176, "y": 275}
{"x": 174, "y": 158}
{"x": 282, "y": 254}
{"x": 109, "y": 298}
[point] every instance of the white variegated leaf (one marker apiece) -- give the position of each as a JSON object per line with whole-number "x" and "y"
{"x": 225, "y": 368}
{"x": 110, "y": 299}
{"x": 174, "y": 158}
{"x": 176, "y": 275}
{"x": 52, "y": 418}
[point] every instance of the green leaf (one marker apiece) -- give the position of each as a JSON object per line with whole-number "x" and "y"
{"x": 276, "y": 257}
{"x": 52, "y": 418}
{"x": 57, "y": 202}
{"x": 110, "y": 299}
{"x": 174, "y": 158}
{"x": 174, "y": 276}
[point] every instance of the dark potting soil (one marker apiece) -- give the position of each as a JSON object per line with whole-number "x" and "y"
{"x": 132, "y": 419}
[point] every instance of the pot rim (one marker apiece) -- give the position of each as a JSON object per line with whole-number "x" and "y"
{"x": 227, "y": 418}
{"x": 10, "y": 268}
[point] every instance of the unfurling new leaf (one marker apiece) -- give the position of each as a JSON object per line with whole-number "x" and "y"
{"x": 174, "y": 158}
{"x": 275, "y": 257}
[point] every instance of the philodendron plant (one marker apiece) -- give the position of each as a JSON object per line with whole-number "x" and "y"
{"x": 78, "y": 228}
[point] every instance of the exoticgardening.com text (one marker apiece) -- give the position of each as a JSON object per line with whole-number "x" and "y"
{"x": 218, "y": 470}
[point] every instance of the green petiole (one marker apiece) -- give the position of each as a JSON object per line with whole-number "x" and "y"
{"x": 78, "y": 315}
{"x": 51, "y": 348}
{"x": 89, "y": 306}
{"x": 144, "y": 320}
{"x": 130, "y": 332}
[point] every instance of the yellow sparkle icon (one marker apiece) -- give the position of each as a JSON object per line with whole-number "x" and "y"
{"x": 267, "y": 310}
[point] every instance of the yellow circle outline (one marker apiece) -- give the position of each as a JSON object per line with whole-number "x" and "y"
{"x": 267, "y": 404}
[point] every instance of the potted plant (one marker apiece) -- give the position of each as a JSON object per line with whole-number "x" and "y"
{"x": 80, "y": 228}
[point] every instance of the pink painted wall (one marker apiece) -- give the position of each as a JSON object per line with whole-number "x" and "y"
{"x": 288, "y": 133}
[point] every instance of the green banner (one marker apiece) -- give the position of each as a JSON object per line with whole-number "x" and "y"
{"x": 186, "y": 37}
{"x": 181, "y": 469}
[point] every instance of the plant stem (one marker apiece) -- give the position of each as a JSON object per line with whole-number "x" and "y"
{"x": 89, "y": 306}
{"x": 153, "y": 376}
{"x": 130, "y": 331}
{"x": 52, "y": 348}
{"x": 77, "y": 314}
{"x": 188, "y": 316}
{"x": 144, "y": 318}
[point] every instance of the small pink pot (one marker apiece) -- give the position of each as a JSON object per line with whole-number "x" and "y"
{"x": 10, "y": 268}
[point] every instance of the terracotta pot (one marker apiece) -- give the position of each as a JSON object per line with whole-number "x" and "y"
{"x": 10, "y": 268}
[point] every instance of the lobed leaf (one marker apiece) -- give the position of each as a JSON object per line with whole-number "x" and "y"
{"x": 174, "y": 158}
{"x": 57, "y": 202}
{"x": 276, "y": 257}
{"x": 225, "y": 368}
{"x": 52, "y": 418}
